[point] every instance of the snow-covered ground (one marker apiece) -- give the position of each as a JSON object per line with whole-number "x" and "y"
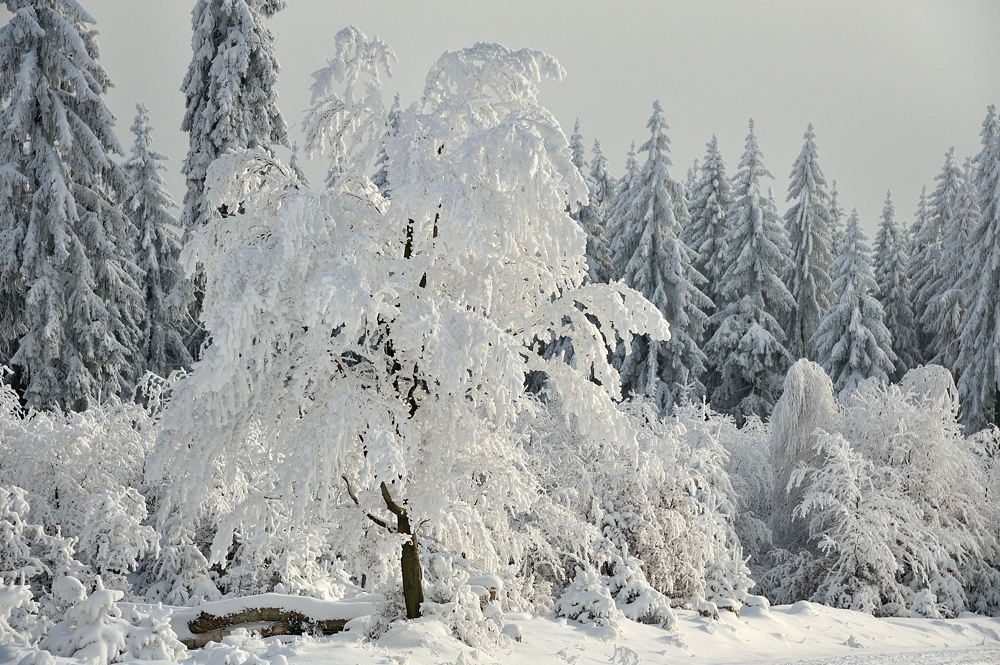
{"x": 799, "y": 633}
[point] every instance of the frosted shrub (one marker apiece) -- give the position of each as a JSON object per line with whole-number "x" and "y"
{"x": 180, "y": 575}
{"x": 150, "y": 636}
{"x": 16, "y": 615}
{"x": 635, "y": 598}
{"x": 93, "y": 630}
{"x": 451, "y": 600}
{"x": 588, "y": 600}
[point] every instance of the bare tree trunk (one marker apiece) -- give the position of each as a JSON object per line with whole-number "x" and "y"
{"x": 413, "y": 587}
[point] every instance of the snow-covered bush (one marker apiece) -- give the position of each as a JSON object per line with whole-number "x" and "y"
{"x": 95, "y": 630}
{"x": 449, "y": 598}
{"x": 17, "y": 608}
{"x": 633, "y": 595}
{"x": 588, "y": 600}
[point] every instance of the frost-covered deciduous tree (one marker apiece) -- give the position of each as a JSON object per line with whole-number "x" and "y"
{"x": 809, "y": 224}
{"x": 852, "y": 342}
{"x": 746, "y": 353}
{"x": 711, "y": 201}
{"x": 947, "y": 298}
{"x": 891, "y": 264}
{"x": 71, "y": 309}
{"x": 230, "y": 100}
{"x": 373, "y": 355}
{"x": 659, "y": 265}
{"x": 166, "y": 292}
{"x": 979, "y": 345}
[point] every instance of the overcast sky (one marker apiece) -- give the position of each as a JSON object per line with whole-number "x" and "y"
{"x": 889, "y": 86}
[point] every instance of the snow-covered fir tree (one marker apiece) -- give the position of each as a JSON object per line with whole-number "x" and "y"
{"x": 852, "y": 342}
{"x": 891, "y": 264}
{"x": 659, "y": 265}
{"x": 590, "y": 215}
{"x": 946, "y": 296}
{"x": 293, "y": 164}
{"x": 979, "y": 345}
{"x": 71, "y": 306}
{"x": 381, "y": 177}
{"x": 746, "y": 353}
{"x": 836, "y": 216}
{"x": 809, "y": 227}
{"x": 148, "y": 204}
{"x": 940, "y": 213}
{"x": 601, "y": 181}
{"x": 618, "y": 209}
{"x": 229, "y": 90}
{"x": 712, "y": 197}
{"x": 692, "y": 180}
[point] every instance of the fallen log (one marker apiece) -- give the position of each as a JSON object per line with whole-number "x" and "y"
{"x": 267, "y": 621}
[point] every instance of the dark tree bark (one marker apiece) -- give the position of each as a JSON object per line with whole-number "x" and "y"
{"x": 413, "y": 586}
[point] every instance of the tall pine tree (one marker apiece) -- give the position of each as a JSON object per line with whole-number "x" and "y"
{"x": 891, "y": 265}
{"x": 836, "y": 216}
{"x": 658, "y": 265}
{"x": 979, "y": 345}
{"x": 164, "y": 287}
{"x": 747, "y": 354}
{"x": 618, "y": 211}
{"x": 852, "y": 342}
{"x": 70, "y": 303}
{"x": 808, "y": 223}
{"x": 229, "y": 90}
{"x": 941, "y": 210}
{"x": 712, "y": 197}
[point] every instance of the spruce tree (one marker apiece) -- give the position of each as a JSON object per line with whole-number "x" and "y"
{"x": 577, "y": 148}
{"x": 712, "y": 197}
{"x": 602, "y": 183}
{"x": 852, "y": 342}
{"x": 658, "y": 265}
{"x": 836, "y": 216}
{"x": 588, "y": 215}
{"x": 618, "y": 209}
{"x": 979, "y": 345}
{"x": 946, "y": 298}
{"x": 746, "y": 352}
{"x": 293, "y": 164}
{"x": 229, "y": 90}
{"x": 71, "y": 308}
{"x": 940, "y": 213}
{"x": 164, "y": 287}
{"x": 809, "y": 224}
{"x": 891, "y": 265}
{"x": 381, "y": 177}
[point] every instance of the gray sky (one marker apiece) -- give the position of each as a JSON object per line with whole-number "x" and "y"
{"x": 888, "y": 85}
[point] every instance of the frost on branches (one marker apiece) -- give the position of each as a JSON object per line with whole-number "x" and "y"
{"x": 368, "y": 358}
{"x": 891, "y": 264}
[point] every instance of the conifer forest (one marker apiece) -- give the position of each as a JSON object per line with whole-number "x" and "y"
{"x": 483, "y": 379}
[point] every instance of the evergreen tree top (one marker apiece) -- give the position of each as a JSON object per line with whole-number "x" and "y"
{"x": 658, "y": 144}
{"x": 751, "y": 168}
{"x": 806, "y": 172}
{"x": 576, "y": 146}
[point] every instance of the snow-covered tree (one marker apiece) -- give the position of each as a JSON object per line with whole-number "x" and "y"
{"x": 229, "y": 90}
{"x": 947, "y": 298}
{"x": 927, "y": 256}
{"x": 590, "y": 214}
{"x": 706, "y": 234}
{"x": 852, "y": 342}
{"x": 837, "y": 215}
{"x": 617, "y": 218}
{"x": 602, "y": 182}
{"x": 891, "y": 264}
{"x": 374, "y": 357}
{"x": 71, "y": 309}
{"x": 158, "y": 245}
{"x": 809, "y": 226}
{"x": 293, "y": 164}
{"x": 381, "y": 177}
{"x": 577, "y": 148}
{"x": 746, "y": 352}
{"x": 979, "y": 345}
{"x": 659, "y": 265}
